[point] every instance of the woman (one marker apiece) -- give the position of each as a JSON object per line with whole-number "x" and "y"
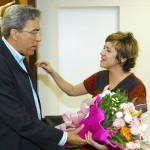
{"x": 118, "y": 57}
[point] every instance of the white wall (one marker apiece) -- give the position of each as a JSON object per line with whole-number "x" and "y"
{"x": 132, "y": 16}
{"x": 69, "y": 45}
{"x": 80, "y": 40}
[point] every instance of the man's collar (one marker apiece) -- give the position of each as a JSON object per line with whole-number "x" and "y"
{"x": 19, "y": 58}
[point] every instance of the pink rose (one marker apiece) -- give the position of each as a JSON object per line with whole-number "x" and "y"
{"x": 131, "y": 145}
{"x": 128, "y": 106}
{"x": 119, "y": 122}
{"x": 135, "y": 126}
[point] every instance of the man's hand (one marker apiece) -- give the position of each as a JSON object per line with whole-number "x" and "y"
{"x": 73, "y": 137}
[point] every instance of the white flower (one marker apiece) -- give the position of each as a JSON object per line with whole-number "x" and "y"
{"x": 107, "y": 92}
{"x": 128, "y": 118}
{"x": 126, "y": 112}
{"x": 119, "y": 114}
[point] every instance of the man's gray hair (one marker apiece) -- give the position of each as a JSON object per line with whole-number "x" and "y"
{"x": 16, "y": 16}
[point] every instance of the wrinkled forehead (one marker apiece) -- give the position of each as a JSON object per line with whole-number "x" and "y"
{"x": 32, "y": 24}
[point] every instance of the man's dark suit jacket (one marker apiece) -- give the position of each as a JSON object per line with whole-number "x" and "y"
{"x": 20, "y": 128}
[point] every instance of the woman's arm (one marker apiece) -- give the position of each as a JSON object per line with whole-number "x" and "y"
{"x": 65, "y": 86}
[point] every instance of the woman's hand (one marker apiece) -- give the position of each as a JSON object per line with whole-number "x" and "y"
{"x": 45, "y": 65}
{"x": 90, "y": 141}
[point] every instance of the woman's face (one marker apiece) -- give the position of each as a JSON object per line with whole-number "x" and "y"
{"x": 108, "y": 57}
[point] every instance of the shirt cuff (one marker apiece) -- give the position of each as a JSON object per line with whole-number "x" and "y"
{"x": 63, "y": 139}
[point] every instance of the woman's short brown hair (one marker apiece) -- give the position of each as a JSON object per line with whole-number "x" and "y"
{"x": 126, "y": 46}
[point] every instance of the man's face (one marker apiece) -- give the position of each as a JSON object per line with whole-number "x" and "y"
{"x": 28, "y": 38}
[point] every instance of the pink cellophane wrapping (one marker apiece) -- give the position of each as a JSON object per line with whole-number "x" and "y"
{"x": 92, "y": 123}
{"x": 72, "y": 120}
{"x": 91, "y": 116}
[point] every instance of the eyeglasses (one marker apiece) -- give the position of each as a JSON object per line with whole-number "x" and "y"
{"x": 34, "y": 32}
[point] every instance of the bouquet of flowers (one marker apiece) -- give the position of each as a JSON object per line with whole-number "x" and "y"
{"x": 115, "y": 121}
{"x": 111, "y": 118}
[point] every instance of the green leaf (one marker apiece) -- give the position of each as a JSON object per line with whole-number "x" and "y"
{"x": 110, "y": 105}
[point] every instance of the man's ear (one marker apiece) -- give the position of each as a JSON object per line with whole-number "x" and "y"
{"x": 14, "y": 34}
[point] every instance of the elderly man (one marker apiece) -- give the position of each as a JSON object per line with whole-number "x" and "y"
{"x": 21, "y": 123}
